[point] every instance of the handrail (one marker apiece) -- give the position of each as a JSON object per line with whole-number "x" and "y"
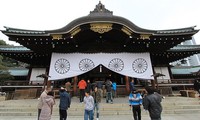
{"x": 168, "y": 81}
{"x": 16, "y": 82}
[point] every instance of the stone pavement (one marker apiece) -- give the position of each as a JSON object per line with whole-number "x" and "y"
{"x": 117, "y": 117}
{"x": 75, "y": 100}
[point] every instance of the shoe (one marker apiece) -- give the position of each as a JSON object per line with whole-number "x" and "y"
{"x": 97, "y": 118}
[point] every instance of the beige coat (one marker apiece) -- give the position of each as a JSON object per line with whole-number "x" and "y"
{"x": 47, "y": 108}
{"x": 42, "y": 96}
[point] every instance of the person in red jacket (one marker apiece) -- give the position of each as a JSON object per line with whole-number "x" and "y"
{"x": 82, "y": 85}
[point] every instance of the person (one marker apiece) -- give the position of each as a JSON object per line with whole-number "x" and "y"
{"x": 114, "y": 89}
{"x": 100, "y": 87}
{"x": 47, "y": 107}
{"x": 82, "y": 85}
{"x": 89, "y": 86}
{"x": 135, "y": 101}
{"x": 108, "y": 85}
{"x": 89, "y": 106}
{"x": 65, "y": 102}
{"x": 96, "y": 94}
{"x": 197, "y": 86}
{"x": 152, "y": 103}
{"x": 40, "y": 103}
{"x": 131, "y": 85}
{"x": 68, "y": 87}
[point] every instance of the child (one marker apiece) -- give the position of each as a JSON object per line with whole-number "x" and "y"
{"x": 89, "y": 106}
{"x": 135, "y": 100}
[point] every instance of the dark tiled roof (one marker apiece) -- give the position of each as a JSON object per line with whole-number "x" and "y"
{"x": 17, "y": 31}
{"x": 100, "y": 14}
{"x": 184, "y": 70}
{"x": 13, "y": 48}
{"x": 177, "y": 31}
{"x": 185, "y": 48}
{"x": 18, "y": 71}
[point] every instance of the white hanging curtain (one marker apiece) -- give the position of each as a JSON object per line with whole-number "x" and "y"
{"x": 136, "y": 65}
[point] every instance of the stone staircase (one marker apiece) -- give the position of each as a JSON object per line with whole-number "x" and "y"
{"x": 171, "y": 105}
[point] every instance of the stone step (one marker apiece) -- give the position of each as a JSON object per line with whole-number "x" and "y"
{"x": 16, "y": 114}
{"x": 181, "y": 111}
{"x": 110, "y": 107}
{"x": 102, "y": 108}
{"x": 74, "y": 104}
{"x": 104, "y": 113}
{"x": 182, "y": 107}
{"x": 171, "y": 105}
{"x": 33, "y": 102}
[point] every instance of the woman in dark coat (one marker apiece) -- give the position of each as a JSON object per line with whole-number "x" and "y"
{"x": 65, "y": 102}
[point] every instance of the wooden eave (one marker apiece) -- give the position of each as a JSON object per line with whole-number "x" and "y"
{"x": 120, "y": 41}
{"x": 174, "y": 54}
{"x": 27, "y": 56}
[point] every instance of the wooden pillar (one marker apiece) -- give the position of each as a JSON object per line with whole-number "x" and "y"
{"x": 153, "y": 84}
{"x": 127, "y": 84}
{"x": 48, "y": 84}
{"x": 46, "y": 81}
{"x": 155, "y": 81}
{"x": 170, "y": 74}
{"x": 29, "y": 75}
{"x": 75, "y": 85}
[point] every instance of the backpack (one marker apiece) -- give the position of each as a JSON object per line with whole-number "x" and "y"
{"x": 108, "y": 86}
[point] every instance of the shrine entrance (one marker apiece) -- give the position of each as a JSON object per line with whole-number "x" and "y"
{"x": 100, "y": 74}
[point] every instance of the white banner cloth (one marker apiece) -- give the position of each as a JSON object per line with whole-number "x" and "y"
{"x": 136, "y": 65}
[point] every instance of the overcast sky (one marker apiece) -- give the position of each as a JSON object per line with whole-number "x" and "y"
{"x": 54, "y": 14}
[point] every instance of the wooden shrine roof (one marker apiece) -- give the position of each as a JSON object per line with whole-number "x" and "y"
{"x": 100, "y": 15}
{"x": 100, "y": 31}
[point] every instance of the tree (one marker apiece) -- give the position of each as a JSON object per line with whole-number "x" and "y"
{"x": 8, "y": 62}
{"x": 4, "y": 74}
{"x": 2, "y": 42}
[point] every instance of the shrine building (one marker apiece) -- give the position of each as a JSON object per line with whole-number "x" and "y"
{"x": 99, "y": 46}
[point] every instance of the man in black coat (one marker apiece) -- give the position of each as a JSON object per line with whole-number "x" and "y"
{"x": 152, "y": 103}
{"x": 108, "y": 86}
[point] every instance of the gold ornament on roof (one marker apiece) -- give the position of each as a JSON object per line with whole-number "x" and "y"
{"x": 75, "y": 31}
{"x": 101, "y": 27}
{"x": 56, "y": 36}
{"x": 145, "y": 36}
{"x": 126, "y": 30}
